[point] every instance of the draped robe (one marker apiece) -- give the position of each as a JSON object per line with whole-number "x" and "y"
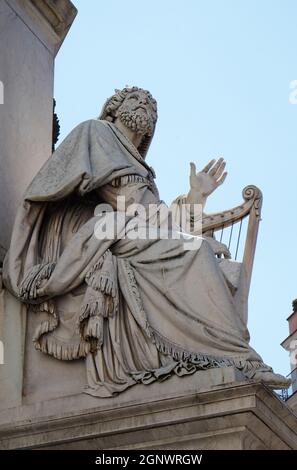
{"x": 138, "y": 310}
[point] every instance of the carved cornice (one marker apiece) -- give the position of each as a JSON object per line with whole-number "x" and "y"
{"x": 160, "y": 420}
{"x": 58, "y": 13}
{"x": 49, "y": 20}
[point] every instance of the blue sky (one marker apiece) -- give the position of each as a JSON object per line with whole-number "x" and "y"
{"x": 221, "y": 72}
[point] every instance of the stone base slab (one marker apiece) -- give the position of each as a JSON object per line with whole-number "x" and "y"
{"x": 214, "y": 409}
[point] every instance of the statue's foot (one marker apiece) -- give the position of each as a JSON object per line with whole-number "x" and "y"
{"x": 275, "y": 381}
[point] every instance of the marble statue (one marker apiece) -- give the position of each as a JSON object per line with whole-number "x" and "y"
{"x": 137, "y": 309}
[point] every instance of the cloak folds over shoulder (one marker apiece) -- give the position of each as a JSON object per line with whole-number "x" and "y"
{"x": 92, "y": 155}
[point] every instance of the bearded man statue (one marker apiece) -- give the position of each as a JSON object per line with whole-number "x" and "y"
{"x": 137, "y": 309}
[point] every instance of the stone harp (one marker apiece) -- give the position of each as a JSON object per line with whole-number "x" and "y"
{"x": 215, "y": 224}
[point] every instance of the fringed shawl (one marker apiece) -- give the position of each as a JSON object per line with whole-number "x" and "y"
{"x": 93, "y": 154}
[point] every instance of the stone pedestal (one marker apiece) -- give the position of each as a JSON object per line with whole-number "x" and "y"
{"x": 12, "y": 336}
{"x": 214, "y": 409}
{"x": 31, "y": 34}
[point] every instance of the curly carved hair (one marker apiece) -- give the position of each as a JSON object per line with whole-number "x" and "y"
{"x": 114, "y": 102}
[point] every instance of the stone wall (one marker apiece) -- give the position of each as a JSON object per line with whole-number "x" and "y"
{"x": 31, "y": 34}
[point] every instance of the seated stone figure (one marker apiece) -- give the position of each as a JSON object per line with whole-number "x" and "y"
{"x": 137, "y": 309}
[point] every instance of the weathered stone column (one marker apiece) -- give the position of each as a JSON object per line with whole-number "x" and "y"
{"x": 31, "y": 33}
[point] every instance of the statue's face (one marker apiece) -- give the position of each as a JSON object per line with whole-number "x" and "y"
{"x": 137, "y": 112}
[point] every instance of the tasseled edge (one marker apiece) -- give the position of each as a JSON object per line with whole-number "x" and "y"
{"x": 90, "y": 323}
{"x": 162, "y": 344}
{"x": 179, "y": 354}
{"x": 98, "y": 265}
{"x": 93, "y": 333}
{"x": 62, "y": 351}
{"x": 101, "y": 300}
{"x": 46, "y": 343}
{"x": 33, "y": 279}
{"x": 102, "y": 282}
{"x": 99, "y": 307}
{"x": 45, "y": 327}
{"x": 54, "y": 347}
{"x": 102, "y": 295}
{"x": 202, "y": 361}
{"x": 124, "y": 180}
{"x": 198, "y": 360}
{"x": 103, "y": 275}
{"x": 180, "y": 368}
{"x": 186, "y": 363}
{"x": 47, "y": 306}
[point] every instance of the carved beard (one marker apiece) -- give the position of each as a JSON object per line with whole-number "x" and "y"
{"x": 139, "y": 123}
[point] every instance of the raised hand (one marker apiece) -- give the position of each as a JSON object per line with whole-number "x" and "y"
{"x": 210, "y": 178}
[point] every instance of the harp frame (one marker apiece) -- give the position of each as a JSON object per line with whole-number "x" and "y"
{"x": 251, "y": 208}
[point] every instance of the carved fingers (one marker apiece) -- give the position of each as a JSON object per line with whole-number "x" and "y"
{"x": 192, "y": 169}
{"x": 208, "y": 166}
{"x": 222, "y": 178}
{"x": 203, "y": 183}
{"x": 216, "y": 171}
{"x": 218, "y": 168}
{"x": 212, "y": 175}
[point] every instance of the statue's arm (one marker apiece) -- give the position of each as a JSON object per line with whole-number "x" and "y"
{"x": 202, "y": 184}
{"x": 206, "y": 181}
{"x": 187, "y": 209}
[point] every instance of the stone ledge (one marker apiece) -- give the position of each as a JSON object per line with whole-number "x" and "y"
{"x": 176, "y": 414}
{"x": 49, "y": 20}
